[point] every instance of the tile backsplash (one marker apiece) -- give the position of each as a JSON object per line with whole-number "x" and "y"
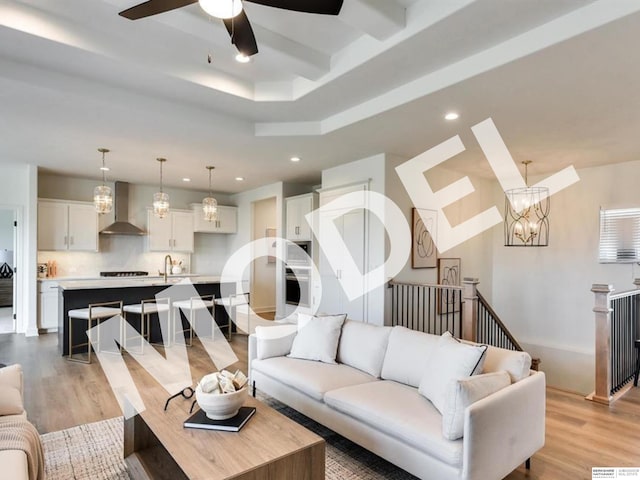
{"x": 117, "y": 253}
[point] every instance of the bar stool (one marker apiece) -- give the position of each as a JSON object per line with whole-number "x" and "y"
{"x": 231, "y": 304}
{"x": 635, "y": 377}
{"x": 145, "y": 309}
{"x": 191, "y": 307}
{"x": 94, "y": 312}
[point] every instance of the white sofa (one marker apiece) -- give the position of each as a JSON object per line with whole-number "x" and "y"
{"x": 14, "y": 462}
{"x": 371, "y": 397}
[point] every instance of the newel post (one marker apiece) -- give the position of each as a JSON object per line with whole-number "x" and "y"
{"x": 470, "y": 308}
{"x": 602, "y": 309}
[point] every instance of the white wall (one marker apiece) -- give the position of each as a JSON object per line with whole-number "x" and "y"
{"x": 244, "y": 201}
{"x": 6, "y": 229}
{"x": 20, "y": 191}
{"x": 543, "y": 294}
{"x": 263, "y": 281}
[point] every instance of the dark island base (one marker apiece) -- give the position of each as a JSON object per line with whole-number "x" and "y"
{"x": 81, "y": 298}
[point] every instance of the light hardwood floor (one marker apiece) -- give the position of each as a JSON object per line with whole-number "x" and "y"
{"x": 580, "y": 434}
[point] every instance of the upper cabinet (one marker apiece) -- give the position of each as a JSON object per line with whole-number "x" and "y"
{"x": 173, "y": 233}
{"x": 227, "y": 221}
{"x": 297, "y": 207}
{"x": 67, "y": 226}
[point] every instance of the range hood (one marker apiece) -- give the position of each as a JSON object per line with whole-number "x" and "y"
{"x": 121, "y": 206}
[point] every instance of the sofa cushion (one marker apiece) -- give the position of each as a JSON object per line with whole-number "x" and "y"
{"x": 516, "y": 364}
{"x": 10, "y": 401}
{"x": 12, "y": 376}
{"x": 407, "y": 354}
{"x": 363, "y": 346}
{"x": 450, "y": 360}
{"x": 311, "y": 378}
{"x": 274, "y": 341}
{"x": 398, "y": 411}
{"x": 318, "y": 339}
{"x": 462, "y": 393}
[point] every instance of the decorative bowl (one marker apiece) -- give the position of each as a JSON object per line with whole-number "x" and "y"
{"x": 220, "y": 406}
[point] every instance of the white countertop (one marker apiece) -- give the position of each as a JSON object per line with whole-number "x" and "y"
{"x": 94, "y": 277}
{"x": 129, "y": 282}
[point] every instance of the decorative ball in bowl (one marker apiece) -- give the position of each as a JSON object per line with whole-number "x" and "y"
{"x": 218, "y": 397}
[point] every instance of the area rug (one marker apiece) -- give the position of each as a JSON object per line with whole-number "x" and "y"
{"x": 94, "y": 452}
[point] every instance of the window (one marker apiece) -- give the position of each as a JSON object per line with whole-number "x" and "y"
{"x": 620, "y": 235}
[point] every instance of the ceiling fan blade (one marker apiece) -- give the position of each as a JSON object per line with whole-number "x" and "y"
{"x": 325, "y": 7}
{"x": 241, "y": 34}
{"x": 153, "y": 7}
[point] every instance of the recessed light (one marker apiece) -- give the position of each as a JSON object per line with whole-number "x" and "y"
{"x": 239, "y": 179}
{"x": 105, "y": 169}
{"x": 242, "y": 58}
{"x": 186, "y": 179}
{"x": 451, "y": 116}
{"x": 295, "y": 159}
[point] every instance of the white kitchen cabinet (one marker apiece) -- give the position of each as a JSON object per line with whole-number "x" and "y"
{"x": 173, "y": 233}
{"x": 227, "y": 221}
{"x": 298, "y": 229}
{"x": 67, "y": 226}
{"x": 48, "y": 305}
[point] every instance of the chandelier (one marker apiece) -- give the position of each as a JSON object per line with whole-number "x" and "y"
{"x": 210, "y": 204}
{"x": 102, "y": 196}
{"x": 526, "y": 219}
{"x": 161, "y": 199}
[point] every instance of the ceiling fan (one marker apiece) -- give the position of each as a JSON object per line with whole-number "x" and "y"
{"x": 233, "y": 15}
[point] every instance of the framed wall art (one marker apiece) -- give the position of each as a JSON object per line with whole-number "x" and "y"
{"x": 449, "y": 273}
{"x": 424, "y": 253}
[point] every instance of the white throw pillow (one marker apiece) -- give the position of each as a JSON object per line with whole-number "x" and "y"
{"x": 275, "y": 341}
{"x": 363, "y": 346}
{"x": 451, "y": 360}
{"x": 318, "y": 339}
{"x": 462, "y": 393}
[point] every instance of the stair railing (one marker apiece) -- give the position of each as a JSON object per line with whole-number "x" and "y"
{"x": 617, "y": 322}
{"x": 462, "y": 310}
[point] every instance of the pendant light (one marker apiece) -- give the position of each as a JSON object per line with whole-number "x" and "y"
{"x": 210, "y": 204}
{"x": 161, "y": 199}
{"x": 102, "y": 196}
{"x": 526, "y": 219}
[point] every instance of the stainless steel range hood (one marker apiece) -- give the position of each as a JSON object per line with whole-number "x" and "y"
{"x": 121, "y": 206}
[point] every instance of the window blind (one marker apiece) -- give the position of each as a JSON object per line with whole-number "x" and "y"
{"x": 620, "y": 235}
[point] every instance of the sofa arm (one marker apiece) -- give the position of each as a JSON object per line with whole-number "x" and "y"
{"x": 12, "y": 376}
{"x": 504, "y": 429}
{"x": 252, "y": 351}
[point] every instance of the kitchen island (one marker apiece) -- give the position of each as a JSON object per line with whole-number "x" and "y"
{"x": 81, "y": 293}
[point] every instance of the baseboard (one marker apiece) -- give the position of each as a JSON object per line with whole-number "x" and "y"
{"x": 263, "y": 309}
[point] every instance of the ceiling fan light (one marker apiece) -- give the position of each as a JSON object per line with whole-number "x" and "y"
{"x": 221, "y": 8}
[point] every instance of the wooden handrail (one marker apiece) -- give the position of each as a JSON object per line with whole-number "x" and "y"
{"x": 496, "y": 319}
{"x": 390, "y": 283}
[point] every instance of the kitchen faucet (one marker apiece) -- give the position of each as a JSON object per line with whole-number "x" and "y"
{"x": 165, "y": 266}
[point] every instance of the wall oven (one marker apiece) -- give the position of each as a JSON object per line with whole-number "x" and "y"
{"x": 298, "y": 274}
{"x": 297, "y": 286}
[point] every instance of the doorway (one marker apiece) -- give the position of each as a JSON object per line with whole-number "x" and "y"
{"x": 263, "y": 269}
{"x": 8, "y": 255}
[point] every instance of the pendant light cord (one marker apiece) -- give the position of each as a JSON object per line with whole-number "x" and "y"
{"x": 103, "y": 170}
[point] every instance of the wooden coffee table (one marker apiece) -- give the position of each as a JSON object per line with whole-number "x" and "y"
{"x": 270, "y": 446}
